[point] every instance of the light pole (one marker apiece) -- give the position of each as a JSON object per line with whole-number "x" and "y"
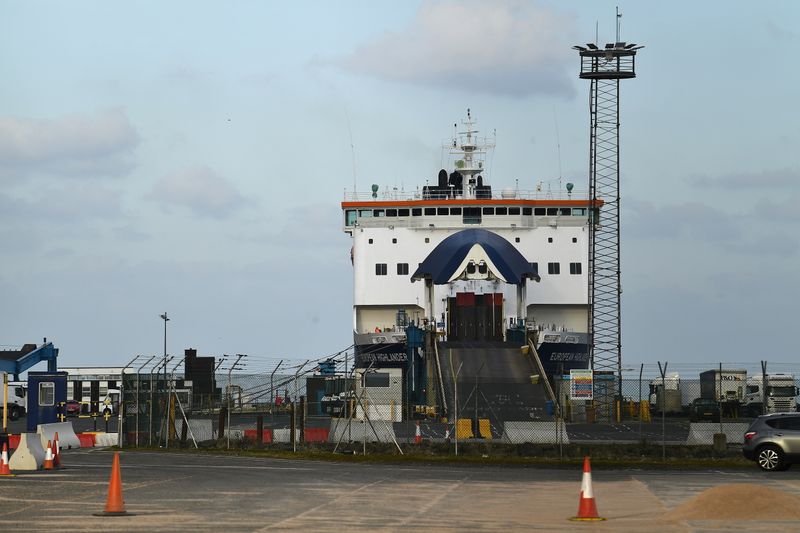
{"x": 164, "y": 317}
{"x": 166, "y": 407}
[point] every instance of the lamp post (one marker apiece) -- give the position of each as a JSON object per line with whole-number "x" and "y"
{"x": 165, "y": 319}
{"x": 166, "y": 407}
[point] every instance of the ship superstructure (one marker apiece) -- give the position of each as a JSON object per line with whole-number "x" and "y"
{"x": 469, "y": 262}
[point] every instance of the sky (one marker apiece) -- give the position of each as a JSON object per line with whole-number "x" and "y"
{"x": 191, "y": 157}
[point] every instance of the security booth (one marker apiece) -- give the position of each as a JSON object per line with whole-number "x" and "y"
{"x": 47, "y": 392}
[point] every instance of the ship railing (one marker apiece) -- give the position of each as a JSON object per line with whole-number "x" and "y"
{"x": 456, "y": 221}
{"x": 505, "y": 194}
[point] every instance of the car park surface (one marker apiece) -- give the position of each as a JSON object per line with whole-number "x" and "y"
{"x": 181, "y": 491}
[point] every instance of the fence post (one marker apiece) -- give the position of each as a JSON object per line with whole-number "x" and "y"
{"x": 292, "y": 426}
{"x": 663, "y": 409}
{"x": 764, "y": 386}
{"x": 221, "y": 423}
{"x": 302, "y": 424}
{"x": 259, "y": 431}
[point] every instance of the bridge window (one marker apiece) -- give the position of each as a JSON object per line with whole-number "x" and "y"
{"x": 552, "y": 211}
{"x": 513, "y": 210}
{"x": 442, "y": 211}
{"x": 378, "y": 213}
{"x": 391, "y": 212}
{"x": 574, "y": 268}
{"x": 472, "y": 215}
{"x": 375, "y": 379}
{"x": 501, "y": 211}
{"x": 350, "y": 216}
{"x": 567, "y": 211}
{"x": 365, "y": 213}
{"x": 416, "y": 212}
{"x": 430, "y": 211}
{"x": 578, "y": 212}
{"x": 488, "y": 210}
{"x": 402, "y": 269}
{"x": 553, "y": 268}
{"x": 455, "y": 210}
{"x": 527, "y": 211}
{"x": 402, "y": 212}
{"x": 380, "y": 269}
{"x": 539, "y": 211}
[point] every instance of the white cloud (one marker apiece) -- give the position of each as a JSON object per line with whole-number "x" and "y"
{"x": 511, "y": 48}
{"x": 750, "y": 180}
{"x": 74, "y": 145}
{"x": 200, "y": 190}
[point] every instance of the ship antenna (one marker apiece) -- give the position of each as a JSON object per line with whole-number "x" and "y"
{"x": 558, "y": 146}
{"x": 352, "y": 149}
{"x": 619, "y": 21}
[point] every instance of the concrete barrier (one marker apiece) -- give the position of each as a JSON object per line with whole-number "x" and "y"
{"x": 202, "y": 429}
{"x": 66, "y": 434}
{"x": 104, "y": 439}
{"x": 285, "y": 435}
{"x": 29, "y": 455}
{"x": 340, "y": 433}
{"x": 702, "y": 433}
{"x": 252, "y": 434}
{"x": 316, "y": 434}
{"x": 535, "y": 432}
{"x": 86, "y": 439}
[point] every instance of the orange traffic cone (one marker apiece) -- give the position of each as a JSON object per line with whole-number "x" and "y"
{"x": 48, "y": 457}
{"x": 115, "y": 506}
{"x": 56, "y": 452}
{"x": 5, "y": 471}
{"x": 587, "y": 509}
{"x": 418, "y": 435}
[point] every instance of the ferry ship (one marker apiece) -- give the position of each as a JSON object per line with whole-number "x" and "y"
{"x": 461, "y": 263}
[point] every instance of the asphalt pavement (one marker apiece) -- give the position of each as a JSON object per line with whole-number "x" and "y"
{"x": 202, "y": 492}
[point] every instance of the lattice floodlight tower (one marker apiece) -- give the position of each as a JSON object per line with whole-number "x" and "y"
{"x": 605, "y": 67}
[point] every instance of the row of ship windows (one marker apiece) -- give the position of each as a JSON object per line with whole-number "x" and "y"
{"x": 516, "y": 239}
{"x": 470, "y": 214}
{"x": 382, "y": 269}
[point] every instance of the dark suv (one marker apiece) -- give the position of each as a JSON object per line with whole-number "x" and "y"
{"x": 773, "y": 441}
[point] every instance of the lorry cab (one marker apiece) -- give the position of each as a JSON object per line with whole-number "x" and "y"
{"x": 109, "y": 404}
{"x": 17, "y": 393}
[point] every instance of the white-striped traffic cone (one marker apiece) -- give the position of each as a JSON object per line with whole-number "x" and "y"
{"x": 48, "y": 457}
{"x": 418, "y": 435}
{"x": 5, "y": 471}
{"x": 587, "y": 509}
{"x": 56, "y": 452}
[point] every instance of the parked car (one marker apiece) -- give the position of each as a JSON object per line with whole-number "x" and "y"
{"x": 703, "y": 409}
{"x": 72, "y": 408}
{"x": 773, "y": 441}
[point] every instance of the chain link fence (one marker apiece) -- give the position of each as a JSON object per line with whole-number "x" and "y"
{"x": 669, "y": 404}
